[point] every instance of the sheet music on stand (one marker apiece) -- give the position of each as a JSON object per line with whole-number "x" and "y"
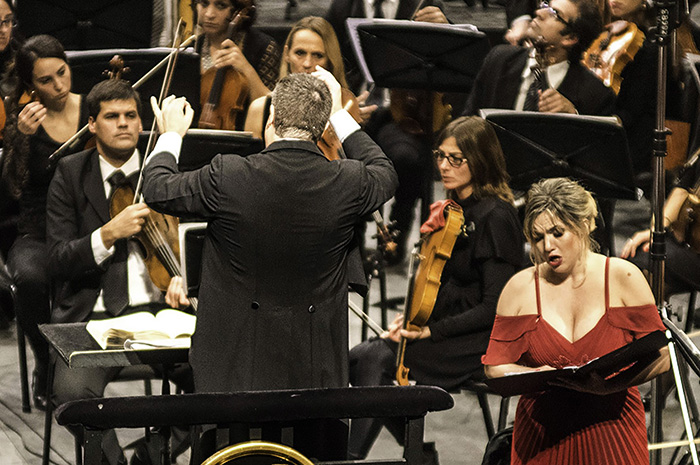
{"x": 417, "y": 55}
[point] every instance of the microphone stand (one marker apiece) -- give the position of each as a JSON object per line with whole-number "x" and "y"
{"x": 664, "y": 9}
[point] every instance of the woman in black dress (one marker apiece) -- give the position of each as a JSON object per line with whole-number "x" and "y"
{"x": 43, "y": 113}
{"x": 447, "y": 351}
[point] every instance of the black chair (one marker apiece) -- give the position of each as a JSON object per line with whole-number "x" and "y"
{"x": 279, "y": 409}
{"x": 481, "y": 390}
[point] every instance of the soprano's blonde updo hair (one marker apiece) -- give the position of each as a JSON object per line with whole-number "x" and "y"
{"x": 564, "y": 200}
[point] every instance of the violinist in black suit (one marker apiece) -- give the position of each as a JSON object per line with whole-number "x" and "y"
{"x": 97, "y": 272}
{"x": 567, "y": 27}
{"x": 274, "y": 287}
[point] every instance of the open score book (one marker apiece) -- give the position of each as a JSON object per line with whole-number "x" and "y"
{"x": 167, "y": 328}
{"x": 644, "y": 351}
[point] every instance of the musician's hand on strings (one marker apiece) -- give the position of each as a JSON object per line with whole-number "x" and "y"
{"x": 640, "y": 239}
{"x": 333, "y": 86}
{"x": 176, "y": 296}
{"x": 175, "y": 114}
{"x": 231, "y": 55}
{"x": 365, "y": 110}
{"x": 31, "y": 117}
{"x": 431, "y": 14}
{"x": 552, "y": 101}
{"x": 125, "y": 224}
{"x": 396, "y": 331}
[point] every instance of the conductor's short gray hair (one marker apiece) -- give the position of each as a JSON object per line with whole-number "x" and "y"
{"x": 302, "y": 106}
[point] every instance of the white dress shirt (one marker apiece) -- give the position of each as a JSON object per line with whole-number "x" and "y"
{"x": 141, "y": 288}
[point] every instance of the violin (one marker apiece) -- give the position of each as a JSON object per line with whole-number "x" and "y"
{"x": 329, "y": 143}
{"x": 686, "y": 229}
{"x": 607, "y": 56}
{"x": 435, "y": 250}
{"x": 158, "y": 237}
{"x": 224, "y": 91}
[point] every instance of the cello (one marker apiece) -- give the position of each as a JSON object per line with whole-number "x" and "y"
{"x": 224, "y": 91}
{"x": 435, "y": 250}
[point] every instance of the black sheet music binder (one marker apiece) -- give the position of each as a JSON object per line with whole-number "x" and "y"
{"x": 416, "y": 55}
{"x": 590, "y": 149}
{"x": 642, "y": 350}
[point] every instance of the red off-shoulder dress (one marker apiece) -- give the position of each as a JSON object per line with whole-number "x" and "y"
{"x": 562, "y": 426}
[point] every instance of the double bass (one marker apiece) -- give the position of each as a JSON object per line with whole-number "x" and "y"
{"x": 424, "y": 284}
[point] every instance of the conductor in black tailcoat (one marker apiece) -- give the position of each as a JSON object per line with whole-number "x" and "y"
{"x": 274, "y": 291}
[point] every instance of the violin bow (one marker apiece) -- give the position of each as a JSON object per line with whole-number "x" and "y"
{"x": 164, "y": 88}
{"x": 373, "y": 325}
{"x": 58, "y": 153}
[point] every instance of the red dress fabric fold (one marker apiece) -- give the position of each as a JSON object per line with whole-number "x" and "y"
{"x": 561, "y": 426}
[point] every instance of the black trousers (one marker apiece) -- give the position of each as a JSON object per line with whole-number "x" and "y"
{"x": 372, "y": 363}
{"x": 27, "y": 263}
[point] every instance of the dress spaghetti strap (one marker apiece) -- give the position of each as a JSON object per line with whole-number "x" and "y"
{"x": 607, "y": 292}
{"x": 537, "y": 290}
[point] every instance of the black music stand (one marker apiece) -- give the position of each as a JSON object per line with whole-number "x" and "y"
{"x": 415, "y": 55}
{"x": 592, "y": 150}
{"x": 199, "y": 146}
{"x": 87, "y": 25}
{"x": 88, "y": 68}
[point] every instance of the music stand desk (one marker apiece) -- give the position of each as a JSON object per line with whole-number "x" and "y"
{"x": 79, "y": 350}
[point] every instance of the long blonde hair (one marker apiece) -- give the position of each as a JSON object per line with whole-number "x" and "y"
{"x": 330, "y": 44}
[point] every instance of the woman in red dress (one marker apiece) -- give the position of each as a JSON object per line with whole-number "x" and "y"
{"x": 572, "y": 306}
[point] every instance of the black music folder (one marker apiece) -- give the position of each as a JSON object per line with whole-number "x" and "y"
{"x": 640, "y": 351}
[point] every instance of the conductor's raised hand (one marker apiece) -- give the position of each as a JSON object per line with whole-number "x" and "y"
{"x": 174, "y": 115}
{"x": 333, "y": 86}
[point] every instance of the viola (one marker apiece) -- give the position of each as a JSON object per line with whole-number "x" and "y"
{"x": 607, "y": 56}
{"x": 435, "y": 250}
{"x": 224, "y": 91}
{"x": 159, "y": 240}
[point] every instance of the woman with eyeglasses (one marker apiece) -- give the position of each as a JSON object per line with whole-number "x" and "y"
{"x": 43, "y": 113}
{"x": 447, "y": 351}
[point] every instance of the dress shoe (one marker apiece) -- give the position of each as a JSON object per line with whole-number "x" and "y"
{"x": 141, "y": 455}
{"x": 430, "y": 454}
{"x": 39, "y": 389}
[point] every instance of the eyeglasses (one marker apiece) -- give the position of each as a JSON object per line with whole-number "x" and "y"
{"x": 554, "y": 13}
{"x": 455, "y": 162}
{"x": 8, "y": 22}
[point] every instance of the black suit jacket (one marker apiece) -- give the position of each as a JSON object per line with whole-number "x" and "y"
{"x": 76, "y": 206}
{"x": 273, "y": 294}
{"x": 498, "y": 82}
